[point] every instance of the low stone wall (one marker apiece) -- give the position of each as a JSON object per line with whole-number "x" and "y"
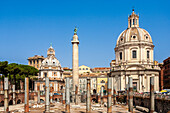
{"x": 162, "y": 105}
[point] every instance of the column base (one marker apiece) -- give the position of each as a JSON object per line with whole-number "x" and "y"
{"x": 46, "y": 112}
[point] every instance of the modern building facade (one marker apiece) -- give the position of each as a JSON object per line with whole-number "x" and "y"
{"x": 134, "y": 53}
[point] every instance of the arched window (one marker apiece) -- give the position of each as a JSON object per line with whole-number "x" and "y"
{"x": 130, "y": 22}
{"x": 146, "y": 37}
{"x": 121, "y": 39}
{"x": 51, "y": 52}
{"x": 133, "y": 21}
{"x": 134, "y": 37}
{"x": 102, "y": 81}
{"x": 120, "y": 55}
{"x": 134, "y": 54}
{"x": 148, "y": 54}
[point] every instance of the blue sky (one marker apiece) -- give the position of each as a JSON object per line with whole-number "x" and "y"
{"x": 27, "y": 27}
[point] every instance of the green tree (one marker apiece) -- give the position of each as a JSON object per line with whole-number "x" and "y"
{"x": 13, "y": 69}
{"x": 3, "y": 68}
{"x": 16, "y": 72}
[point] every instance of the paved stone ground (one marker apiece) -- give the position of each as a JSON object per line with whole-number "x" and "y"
{"x": 59, "y": 108}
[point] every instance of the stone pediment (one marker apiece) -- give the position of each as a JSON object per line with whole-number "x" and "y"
{"x": 135, "y": 67}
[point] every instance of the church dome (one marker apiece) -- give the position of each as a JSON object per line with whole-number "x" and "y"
{"x": 50, "y": 66}
{"x": 134, "y": 45}
{"x": 51, "y": 60}
{"x": 134, "y": 34}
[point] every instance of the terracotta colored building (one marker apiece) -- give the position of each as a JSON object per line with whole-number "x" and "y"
{"x": 161, "y": 76}
{"x": 101, "y": 70}
{"x": 35, "y": 61}
{"x": 166, "y": 73}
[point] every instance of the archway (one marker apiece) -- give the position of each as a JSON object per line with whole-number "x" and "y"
{"x": 57, "y": 99}
{"x": 142, "y": 104}
{"x": 2, "y": 103}
{"x": 10, "y": 102}
{"x": 18, "y": 101}
{"x": 41, "y": 101}
{"x": 94, "y": 100}
{"x": 94, "y": 91}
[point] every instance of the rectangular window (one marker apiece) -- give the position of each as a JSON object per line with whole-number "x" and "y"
{"x": 45, "y": 74}
{"x": 134, "y": 54}
{"x": 120, "y": 55}
{"x": 148, "y": 54}
{"x": 134, "y": 86}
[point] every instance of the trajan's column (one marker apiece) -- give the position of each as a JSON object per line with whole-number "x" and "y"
{"x": 75, "y": 65}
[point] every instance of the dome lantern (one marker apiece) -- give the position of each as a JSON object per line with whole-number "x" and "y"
{"x": 51, "y": 51}
{"x": 133, "y": 20}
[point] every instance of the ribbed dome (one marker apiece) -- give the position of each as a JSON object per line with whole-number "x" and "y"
{"x": 134, "y": 45}
{"x": 51, "y": 60}
{"x": 134, "y": 34}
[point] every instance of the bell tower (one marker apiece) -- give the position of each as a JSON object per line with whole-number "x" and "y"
{"x": 133, "y": 20}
